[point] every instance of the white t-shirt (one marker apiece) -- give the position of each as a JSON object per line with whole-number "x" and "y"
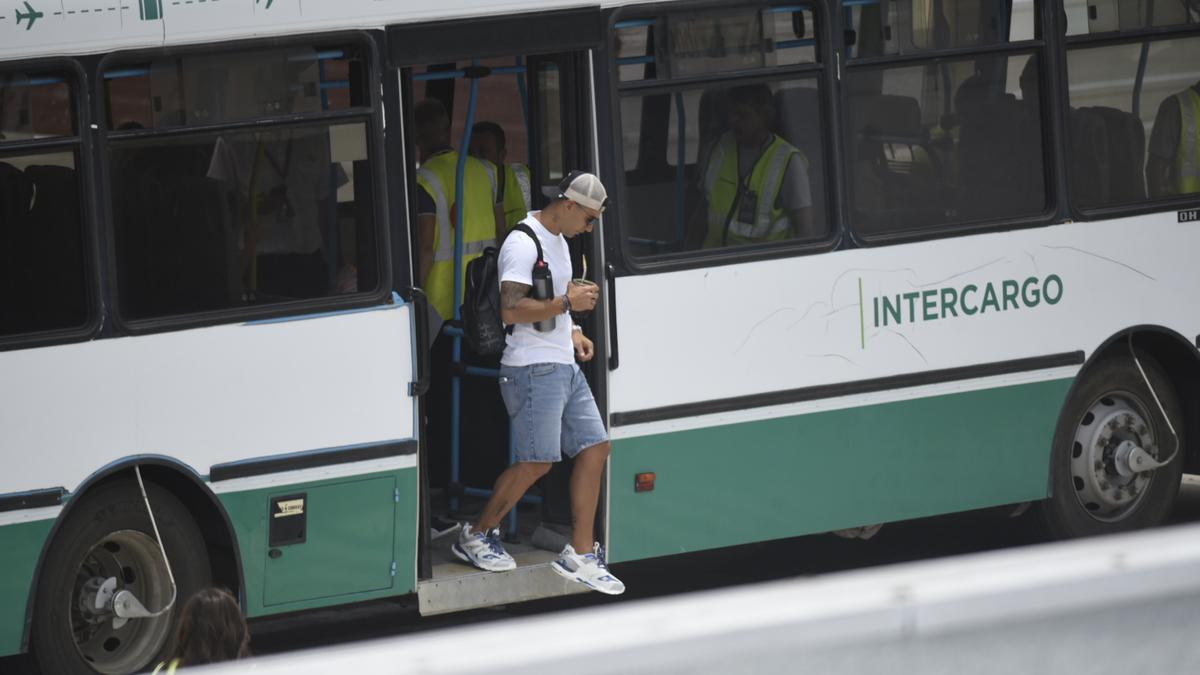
{"x": 526, "y": 345}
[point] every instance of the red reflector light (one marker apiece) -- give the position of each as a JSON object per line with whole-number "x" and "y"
{"x": 643, "y": 482}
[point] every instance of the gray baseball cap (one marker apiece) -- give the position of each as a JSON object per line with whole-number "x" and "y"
{"x": 581, "y": 187}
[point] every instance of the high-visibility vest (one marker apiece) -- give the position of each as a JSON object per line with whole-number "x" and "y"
{"x": 437, "y": 177}
{"x": 517, "y": 202}
{"x": 770, "y": 221}
{"x": 1187, "y": 155}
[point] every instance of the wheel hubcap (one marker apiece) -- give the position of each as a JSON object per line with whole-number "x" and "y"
{"x": 108, "y": 643}
{"x": 1105, "y": 484}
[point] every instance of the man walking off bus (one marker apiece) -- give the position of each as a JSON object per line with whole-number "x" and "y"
{"x": 552, "y": 410}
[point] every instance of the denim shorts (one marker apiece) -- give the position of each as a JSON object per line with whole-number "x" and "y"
{"x": 552, "y": 410}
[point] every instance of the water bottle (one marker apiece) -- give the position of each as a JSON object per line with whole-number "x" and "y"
{"x": 543, "y": 289}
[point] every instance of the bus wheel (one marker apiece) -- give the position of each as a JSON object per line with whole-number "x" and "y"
{"x": 1112, "y": 412}
{"x": 108, "y": 536}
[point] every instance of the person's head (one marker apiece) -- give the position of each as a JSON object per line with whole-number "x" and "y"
{"x": 487, "y": 142}
{"x": 576, "y": 203}
{"x": 751, "y": 112}
{"x": 211, "y": 629}
{"x": 432, "y": 126}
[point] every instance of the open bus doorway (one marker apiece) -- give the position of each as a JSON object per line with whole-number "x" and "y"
{"x": 540, "y": 103}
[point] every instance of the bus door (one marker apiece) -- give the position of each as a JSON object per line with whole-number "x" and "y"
{"x": 521, "y": 83}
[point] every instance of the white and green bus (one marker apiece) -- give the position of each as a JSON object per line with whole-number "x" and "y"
{"x": 976, "y": 291}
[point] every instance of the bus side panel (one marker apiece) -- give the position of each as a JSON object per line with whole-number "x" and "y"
{"x": 357, "y": 527}
{"x": 20, "y": 545}
{"x": 804, "y": 474}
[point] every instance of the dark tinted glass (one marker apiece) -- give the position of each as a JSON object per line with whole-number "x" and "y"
{"x": 213, "y": 88}
{"x": 34, "y": 105}
{"x": 684, "y": 44}
{"x": 944, "y": 143}
{"x": 723, "y": 166}
{"x": 1103, "y": 16}
{"x": 41, "y": 244}
{"x": 209, "y": 221}
{"x": 911, "y": 26}
{"x": 1132, "y": 134}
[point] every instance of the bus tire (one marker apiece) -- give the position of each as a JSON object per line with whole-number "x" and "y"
{"x": 1091, "y": 492}
{"x": 109, "y": 534}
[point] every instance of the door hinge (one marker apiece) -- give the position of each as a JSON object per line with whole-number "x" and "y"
{"x": 393, "y": 568}
{"x": 396, "y": 495}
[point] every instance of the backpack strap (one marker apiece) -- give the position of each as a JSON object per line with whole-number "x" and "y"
{"x": 532, "y": 235}
{"x": 536, "y": 242}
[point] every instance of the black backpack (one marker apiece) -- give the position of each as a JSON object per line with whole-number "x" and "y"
{"x": 483, "y": 328}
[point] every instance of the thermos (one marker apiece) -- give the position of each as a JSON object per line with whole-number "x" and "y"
{"x": 543, "y": 289}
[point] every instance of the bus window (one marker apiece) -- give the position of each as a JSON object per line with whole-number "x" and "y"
{"x": 550, "y": 140}
{"x": 912, "y": 26}
{"x": 943, "y": 142}
{"x": 936, "y": 145}
{"x": 1088, "y": 17}
{"x": 228, "y": 87}
{"x": 42, "y": 280}
{"x": 248, "y": 215}
{"x": 1134, "y": 107}
{"x": 35, "y": 106}
{"x": 725, "y": 164}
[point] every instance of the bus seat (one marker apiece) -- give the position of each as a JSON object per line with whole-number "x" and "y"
{"x": 175, "y": 231}
{"x": 990, "y": 159}
{"x": 894, "y": 169}
{"x": 1089, "y": 158}
{"x": 1117, "y": 162}
{"x": 16, "y": 193}
{"x": 798, "y": 115}
{"x": 54, "y": 247}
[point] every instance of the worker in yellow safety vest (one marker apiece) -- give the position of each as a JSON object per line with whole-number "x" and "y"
{"x": 755, "y": 182}
{"x": 437, "y": 205}
{"x": 1173, "y": 166}
{"x": 488, "y": 142}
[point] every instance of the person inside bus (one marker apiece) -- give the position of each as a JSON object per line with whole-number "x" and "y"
{"x": 483, "y": 221}
{"x": 512, "y": 180}
{"x": 544, "y": 387}
{"x": 211, "y": 630}
{"x": 754, "y": 182}
{"x": 1173, "y": 163}
{"x": 437, "y": 204}
{"x": 286, "y": 182}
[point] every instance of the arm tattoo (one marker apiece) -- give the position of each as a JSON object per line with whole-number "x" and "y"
{"x": 511, "y": 293}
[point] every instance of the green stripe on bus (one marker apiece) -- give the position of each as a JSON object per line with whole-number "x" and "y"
{"x": 806, "y": 474}
{"x": 20, "y": 546}
{"x": 355, "y": 530}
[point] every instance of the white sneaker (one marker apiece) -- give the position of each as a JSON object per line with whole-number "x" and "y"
{"x": 483, "y": 550}
{"x": 588, "y": 569}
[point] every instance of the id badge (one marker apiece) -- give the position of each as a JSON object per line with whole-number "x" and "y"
{"x": 748, "y": 207}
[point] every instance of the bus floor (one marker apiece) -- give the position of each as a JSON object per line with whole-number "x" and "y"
{"x": 533, "y": 542}
{"x": 456, "y": 585}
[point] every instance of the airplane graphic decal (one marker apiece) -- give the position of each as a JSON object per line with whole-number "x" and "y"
{"x": 30, "y": 15}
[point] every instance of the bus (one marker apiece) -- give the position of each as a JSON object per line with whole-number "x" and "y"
{"x": 866, "y": 261}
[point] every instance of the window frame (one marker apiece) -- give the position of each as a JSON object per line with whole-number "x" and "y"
{"x": 371, "y": 116}
{"x": 82, "y": 143}
{"x": 1051, "y": 134}
{"x": 1108, "y": 39}
{"x": 823, "y": 70}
